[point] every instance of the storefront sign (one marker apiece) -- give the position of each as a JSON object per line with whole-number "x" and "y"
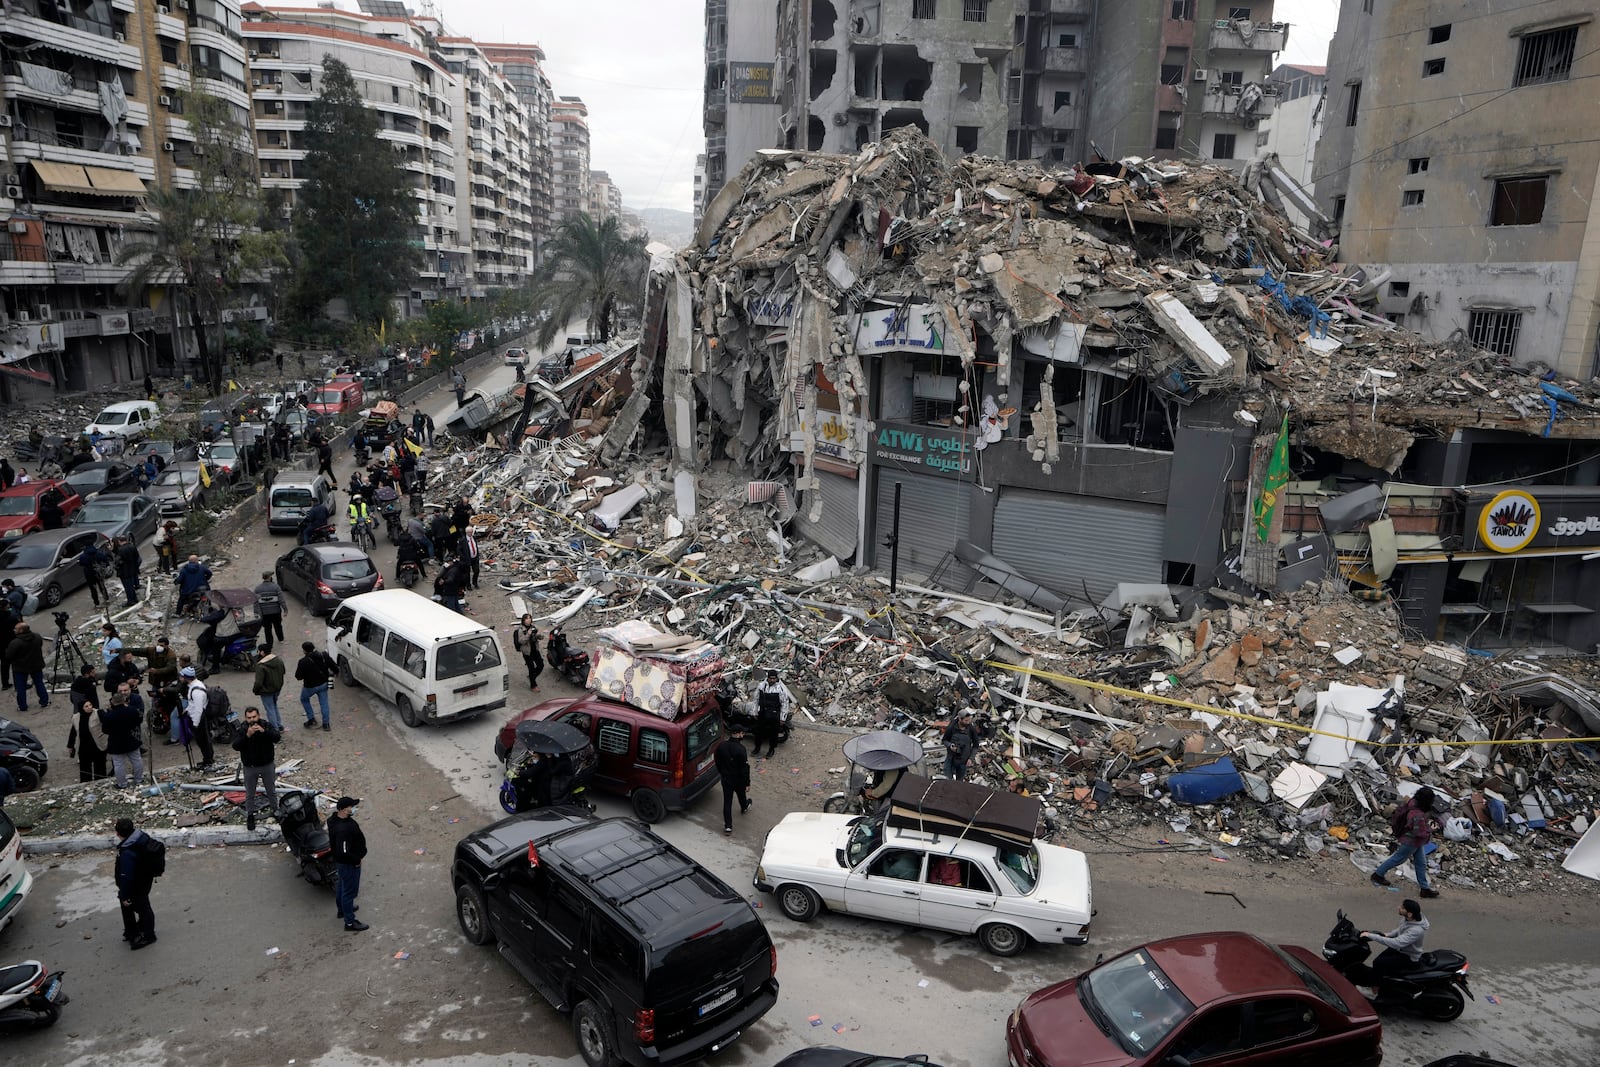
{"x": 770, "y": 309}
{"x": 915, "y": 328}
{"x": 1509, "y": 521}
{"x": 1554, "y": 517}
{"x": 114, "y": 323}
{"x": 750, "y": 83}
{"x": 69, "y": 272}
{"x": 835, "y": 434}
{"x": 940, "y": 451}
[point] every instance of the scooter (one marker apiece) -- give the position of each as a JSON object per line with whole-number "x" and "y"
{"x": 31, "y": 998}
{"x": 1436, "y": 989}
{"x": 321, "y": 534}
{"x": 409, "y": 574}
{"x": 740, "y": 714}
{"x": 572, "y": 663}
{"x": 23, "y": 755}
{"x": 305, "y": 835}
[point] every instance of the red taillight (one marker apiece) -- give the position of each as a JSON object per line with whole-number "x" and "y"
{"x": 774, "y": 951}
{"x": 379, "y": 583}
{"x": 644, "y": 1026}
{"x": 677, "y": 769}
{"x": 325, "y": 589}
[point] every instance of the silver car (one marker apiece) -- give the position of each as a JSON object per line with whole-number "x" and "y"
{"x": 178, "y": 489}
{"x": 45, "y": 565}
{"x": 119, "y": 515}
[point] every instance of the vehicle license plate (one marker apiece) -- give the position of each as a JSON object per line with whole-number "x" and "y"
{"x": 52, "y": 989}
{"x": 718, "y": 1001}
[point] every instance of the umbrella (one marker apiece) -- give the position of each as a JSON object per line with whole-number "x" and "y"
{"x": 550, "y": 738}
{"x": 883, "y": 750}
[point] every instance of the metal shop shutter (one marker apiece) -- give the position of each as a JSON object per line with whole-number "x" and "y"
{"x": 837, "y": 526}
{"x": 1066, "y": 542}
{"x": 934, "y": 515}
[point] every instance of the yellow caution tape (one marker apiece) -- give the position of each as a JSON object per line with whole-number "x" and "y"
{"x": 1134, "y": 694}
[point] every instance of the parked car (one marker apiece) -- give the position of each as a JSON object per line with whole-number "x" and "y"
{"x": 656, "y": 959}
{"x": 131, "y": 418}
{"x": 324, "y": 574}
{"x": 15, "y": 881}
{"x": 19, "y": 505}
{"x": 119, "y": 515}
{"x": 300, "y": 422}
{"x": 337, "y": 398}
{"x": 516, "y": 357}
{"x": 225, "y": 411}
{"x": 45, "y": 564}
{"x": 179, "y": 488}
{"x": 660, "y": 765}
{"x": 104, "y": 476}
{"x": 226, "y": 460}
{"x": 176, "y": 451}
{"x": 1223, "y": 999}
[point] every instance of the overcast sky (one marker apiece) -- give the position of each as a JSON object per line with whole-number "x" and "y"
{"x": 638, "y": 65}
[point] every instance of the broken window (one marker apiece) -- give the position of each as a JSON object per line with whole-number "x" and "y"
{"x": 1546, "y": 57}
{"x": 1058, "y": 155}
{"x": 1174, "y": 65}
{"x": 1417, "y": 165}
{"x": 824, "y": 64}
{"x": 904, "y": 116}
{"x": 974, "y": 10}
{"x": 822, "y": 19}
{"x": 924, "y": 9}
{"x": 1354, "y": 104}
{"x": 866, "y": 81}
{"x": 972, "y": 81}
{"x": 1222, "y": 146}
{"x": 1128, "y": 412}
{"x": 1183, "y": 10}
{"x": 1066, "y": 393}
{"x": 1167, "y": 133}
{"x": 815, "y": 133}
{"x": 1431, "y": 67}
{"x": 1400, "y": 289}
{"x": 906, "y": 75}
{"x": 1411, "y": 198}
{"x": 1241, "y": 14}
{"x": 1067, "y": 40}
{"x": 1063, "y": 98}
{"x": 1495, "y": 331}
{"x": 1518, "y": 201}
{"x": 967, "y": 139}
{"x": 1439, "y": 34}
{"x": 1014, "y": 87}
{"x": 1338, "y": 211}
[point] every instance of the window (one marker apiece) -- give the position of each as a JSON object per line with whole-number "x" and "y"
{"x": 1233, "y": 77}
{"x": 1172, "y": 73}
{"x": 1239, "y": 13}
{"x": 653, "y": 746}
{"x": 1063, "y": 98}
{"x": 1280, "y": 1019}
{"x": 1216, "y": 1033}
{"x": 1183, "y": 10}
{"x": 1167, "y": 138}
{"x": 924, "y": 9}
{"x": 1518, "y": 201}
{"x": 614, "y": 737}
{"x": 579, "y": 720}
{"x": 1430, "y": 67}
{"x": 1222, "y": 146}
{"x": 369, "y": 635}
{"x": 1417, "y": 165}
{"x": 1439, "y": 34}
{"x": 974, "y": 10}
{"x": 465, "y": 656}
{"x": 405, "y": 655}
{"x": 1546, "y": 57}
{"x": 957, "y": 873}
{"x": 901, "y": 863}
{"x": 1354, "y": 104}
{"x": 1338, "y": 210}
{"x": 1400, "y": 289}
{"x": 967, "y": 138}
{"x": 1067, "y": 40}
{"x": 1411, "y": 198}
{"x": 1495, "y": 331}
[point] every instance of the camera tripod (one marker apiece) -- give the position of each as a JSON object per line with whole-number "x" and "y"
{"x": 63, "y": 641}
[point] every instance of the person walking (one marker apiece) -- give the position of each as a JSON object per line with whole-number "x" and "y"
{"x": 960, "y": 742}
{"x": 166, "y": 543}
{"x": 135, "y": 876}
{"x": 120, "y": 724}
{"x": 86, "y": 741}
{"x": 26, "y": 653}
{"x": 196, "y": 698}
{"x": 256, "y": 742}
{"x": 733, "y": 768}
{"x": 91, "y": 560}
{"x": 458, "y": 382}
{"x": 325, "y": 463}
{"x": 1413, "y": 825}
{"x": 269, "y": 606}
{"x": 349, "y": 849}
{"x": 470, "y": 554}
{"x": 8, "y": 476}
{"x": 128, "y": 566}
{"x": 420, "y": 473}
{"x": 525, "y": 638}
{"x": 314, "y": 672}
{"x": 774, "y": 703}
{"x": 270, "y": 673}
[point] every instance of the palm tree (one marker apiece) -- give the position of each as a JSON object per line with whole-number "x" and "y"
{"x": 590, "y": 269}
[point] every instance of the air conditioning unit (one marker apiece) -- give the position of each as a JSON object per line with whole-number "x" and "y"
{"x": 1201, "y": 74}
{"x": 44, "y": 312}
{"x": 120, "y": 38}
{"x": 5, "y": 120}
{"x": 199, "y": 149}
{"x": 164, "y": 101}
{"x": 254, "y": 54}
{"x": 13, "y": 179}
{"x": 18, "y": 226}
{"x": 183, "y": 5}
{"x": 183, "y": 66}
{"x": 14, "y": 192}
{"x": 163, "y": 9}
{"x": 168, "y": 146}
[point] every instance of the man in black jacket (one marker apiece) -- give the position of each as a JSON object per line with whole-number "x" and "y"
{"x": 91, "y": 559}
{"x": 256, "y": 742}
{"x": 128, "y": 564}
{"x": 349, "y": 849}
{"x": 733, "y": 767}
{"x": 26, "y": 653}
{"x": 134, "y": 880}
{"x": 84, "y": 687}
{"x": 314, "y": 673}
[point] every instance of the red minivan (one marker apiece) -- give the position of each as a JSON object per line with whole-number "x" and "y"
{"x": 337, "y": 398}
{"x": 660, "y": 765}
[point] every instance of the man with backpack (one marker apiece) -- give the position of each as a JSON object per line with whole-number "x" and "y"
{"x": 1413, "y": 825}
{"x": 196, "y": 698}
{"x": 269, "y": 606}
{"x": 314, "y": 672}
{"x": 141, "y": 859}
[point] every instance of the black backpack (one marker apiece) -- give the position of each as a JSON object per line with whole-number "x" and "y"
{"x": 152, "y": 858}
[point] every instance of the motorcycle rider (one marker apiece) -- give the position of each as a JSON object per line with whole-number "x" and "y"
{"x": 315, "y": 520}
{"x": 409, "y": 551}
{"x": 1403, "y": 945}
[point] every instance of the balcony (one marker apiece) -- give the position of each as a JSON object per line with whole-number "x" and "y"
{"x": 1225, "y": 105}
{"x": 1072, "y": 9}
{"x": 171, "y": 27}
{"x": 1242, "y": 36}
{"x": 1066, "y": 60}
{"x": 67, "y": 31}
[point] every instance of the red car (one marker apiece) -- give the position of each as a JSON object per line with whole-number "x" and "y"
{"x": 19, "y": 506}
{"x": 337, "y": 398}
{"x": 1219, "y": 999}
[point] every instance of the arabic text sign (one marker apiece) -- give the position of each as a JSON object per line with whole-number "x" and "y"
{"x": 938, "y": 451}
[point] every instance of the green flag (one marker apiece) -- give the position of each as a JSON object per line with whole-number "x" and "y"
{"x": 1277, "y": 477}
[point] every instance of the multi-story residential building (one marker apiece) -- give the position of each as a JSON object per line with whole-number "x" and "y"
{"x": 523, "y": 66}
{"x": 1483, "y": 216}
{"x": 605, "y": 199}
{"x": 402, "y": 76}
{"x": 494, "y": 168}
{"x": 569, "y": 139}
{"x": 849, "y": 73}
{"x": 1296, "y": 123}
{"x": 740, "y": 111}
{"x": 90, "y": 120}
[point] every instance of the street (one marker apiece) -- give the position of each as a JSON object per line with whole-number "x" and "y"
{"x": 252, "y": 966}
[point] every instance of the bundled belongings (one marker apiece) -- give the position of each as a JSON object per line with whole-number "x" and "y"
{"x": 972, "y": 812}
{"x": 653, "y": 671}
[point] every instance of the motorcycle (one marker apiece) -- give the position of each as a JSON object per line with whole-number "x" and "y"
{"x": 409, "y": 574}
{"x": 1430, "y": 989}
{"x": 363, "y": 455}
{"x": 559, "y": 777}
{"x": 23, "y": 755}
{"x": 31, "y": 998}
{"x": 572, "y": 663}
{"x": 322, "y": 534}
{"x": 389, "y": 507}
{"x": 305, "y": 835}
{"x": 740, "y": 715}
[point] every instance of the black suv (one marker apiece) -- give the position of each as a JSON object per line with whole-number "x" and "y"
{"x": 657, "y": 959}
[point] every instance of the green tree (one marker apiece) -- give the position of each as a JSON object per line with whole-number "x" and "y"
{"x": 355, "y": 219}
{"x": 205, "y": 243}
{"x": 445, "y": 322}
{"x": 590, "y": 270}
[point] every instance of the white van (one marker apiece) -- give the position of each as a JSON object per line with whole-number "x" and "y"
{"x": 292, "y": 495}
{"x": 435, "y": 665}
{"x": 15, "y": 881}
{"x": 131, "y": 418}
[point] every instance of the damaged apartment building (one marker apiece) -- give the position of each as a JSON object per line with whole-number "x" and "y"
{"x": 985, "y": 375}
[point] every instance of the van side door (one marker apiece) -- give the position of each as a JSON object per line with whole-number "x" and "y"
{"x": 367, "y": 663}
{"x": 613, "y": 745}
{"x": 405, "y": 665}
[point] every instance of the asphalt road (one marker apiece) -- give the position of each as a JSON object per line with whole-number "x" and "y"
{"x": 252, "y": 966}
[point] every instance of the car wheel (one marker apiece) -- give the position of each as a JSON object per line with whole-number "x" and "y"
{"x": 51, "y": 595}
{"x": 27, "y": 778}
{"x": 799, "y": 903}
{"x": 592, "y": 1027}
{"x": 1002, "y": 940}
{"x": 408, "y": 714}
{"x": 1444, "y": 1007}
{"x": 346, "y": 676}
{"x": 312, "y": 607}
{"x": 648, "y": 805}
{"x": 472, "y": 915}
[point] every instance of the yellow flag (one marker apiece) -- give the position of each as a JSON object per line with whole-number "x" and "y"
{"x": 205, "y": 476}
{"x": 414, "y": 447}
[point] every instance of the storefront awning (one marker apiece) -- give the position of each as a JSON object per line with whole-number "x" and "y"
{"x": 62, "y": 177}
{"x": 108, "y": 182}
